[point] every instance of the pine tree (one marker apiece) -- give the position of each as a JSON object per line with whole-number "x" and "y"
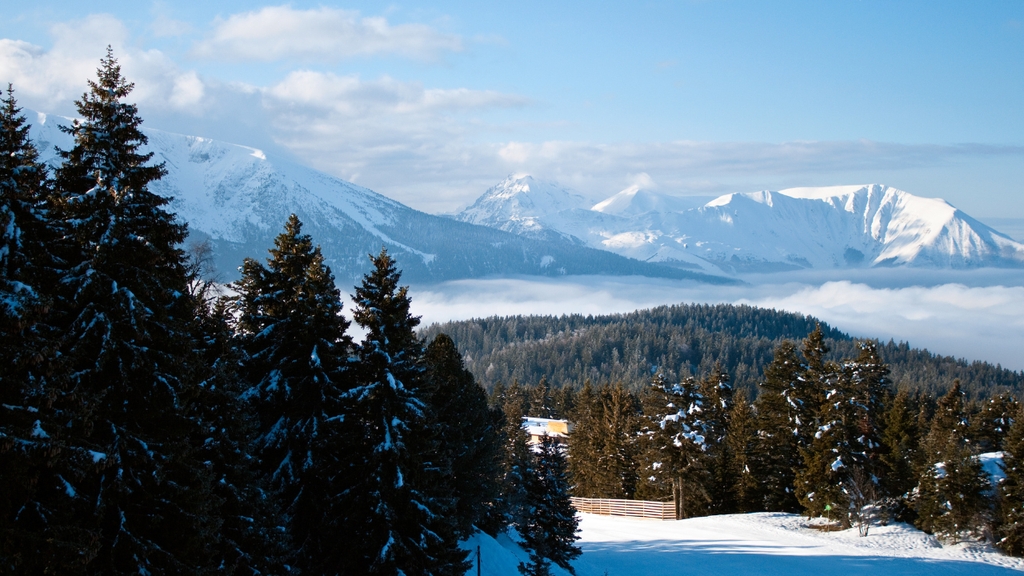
{"x": 466, "y": 445}
{"x": 717, "y": 393}
{"x": 901, "y": 438}
{"x": 586, "y": 447}
{"x": 550, "y": 529}
{"x": 992, "y": 423}
{"x": 742, "y": 443}
{"x": 394, "y": 524}
{"x": 1011, "y": 491}
{"x": 951, "y": 488}
{"x": 675, "y": 436}
{"x": 829, "y": 461}
{"x": 250, "y": 540}
{"x": 296, "y": 362}
{"x": 778, "y": 426}
{"x": 39, "y": 531}
{"x": 127, "y": 348}
{"x": 510, "y": 509}
{"x": 616, "y": 465}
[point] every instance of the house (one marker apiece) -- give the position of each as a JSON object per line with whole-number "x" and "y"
{"x": 538, "y": 428}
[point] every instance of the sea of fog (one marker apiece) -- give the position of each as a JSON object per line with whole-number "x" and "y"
{"x": 977, "y": 314}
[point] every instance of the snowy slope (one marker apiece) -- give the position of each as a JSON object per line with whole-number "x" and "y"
{"x": 833, "y": 227}
{"x": 775, "y": 544}
{"x": 239, "y": 198}
{"x": 772, "y": 544}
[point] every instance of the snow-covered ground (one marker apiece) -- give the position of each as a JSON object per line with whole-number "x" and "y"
{"x": 742, "y": 544}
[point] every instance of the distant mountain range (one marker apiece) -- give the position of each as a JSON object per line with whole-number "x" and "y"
{"x": 239, "y": 198}
{"x": 831, "y": 227}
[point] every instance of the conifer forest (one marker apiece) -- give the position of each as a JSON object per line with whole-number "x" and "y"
{"x": 154, "y": 422}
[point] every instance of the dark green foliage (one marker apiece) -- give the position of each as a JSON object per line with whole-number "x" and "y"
{"x": 587, "y": 444}
{"x": 777, "y": 442}
{"x": 1011, "y": 491}
{"x": 550, "y": 527}
{"x": 741, "y": 441}
{"x": 127, "y": 348}
{"x": 673, "y": 443}
{"x": 830, "y": 457}
{"x": 393, "y": 522}
{"x": 251, "y": 541}
{"x": 717, "y": 411}
{"x": 466, "y": 438}
{"x": 951, "y": 499}
{"x": 683, "y": 340}
{"x": 511, "y": 505}
{"x": 296, "y": 363}
{"x": 990, "y": 424}
{"x": 38, "y": 529}
{"x": 901, "y": 438}
{"x": 603, "y": 445}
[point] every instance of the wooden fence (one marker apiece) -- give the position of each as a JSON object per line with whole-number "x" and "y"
{"x": 632, "y": 508}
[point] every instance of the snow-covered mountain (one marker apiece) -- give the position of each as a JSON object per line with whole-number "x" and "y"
{"x": 832, "y": 227}
{"x": 238, "y": 198}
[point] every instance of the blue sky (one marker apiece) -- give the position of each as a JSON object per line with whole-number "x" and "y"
{"x": 431, "y": 103}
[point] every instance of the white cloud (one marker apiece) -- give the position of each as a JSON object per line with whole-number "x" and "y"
{"x": 320, "y": 34}
{"x": 50, "y": 79}
{"x": 974, "y": 322}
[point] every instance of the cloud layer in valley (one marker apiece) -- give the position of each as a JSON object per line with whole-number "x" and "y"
{"x": 973, "y": 322}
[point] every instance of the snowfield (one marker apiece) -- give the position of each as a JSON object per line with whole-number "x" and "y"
{"x": 764, "y": 543}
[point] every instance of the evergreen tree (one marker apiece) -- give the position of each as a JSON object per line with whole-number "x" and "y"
{"x": 39, "y": 531}
{"x": 550, "y": 529}
{"x": 540, "y": 400}
{"x": 741, "y": 440}
{"x": 901, "y": 438}
{"x": 250, "y": 540}
{"x": 675, "y": 436}
{"x": 869, "y": 378}
{"x": 717, "y": 392}
{"x": 585, "y": 446}
{"x": 616, "y": 465}
{"x": 127, "y": 348}
{"x": 516, "y": 459}
{"x": 394, "y": 524}
{"x": 777, "y": 442}
{"x": 992, "y": 423}
{"x": 829, "y": 461}
{"x": 951, "y": 489}
{"x": 466, "y": 445}
{"x": 1011, "y": 491}
{"x": 296, "y": 362}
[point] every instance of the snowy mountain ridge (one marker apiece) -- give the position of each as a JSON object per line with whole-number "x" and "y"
{"x": 827, "y": 227}
{"x": 238, "y": 199}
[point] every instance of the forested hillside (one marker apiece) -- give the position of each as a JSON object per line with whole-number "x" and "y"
{"x": 683, "y": 340}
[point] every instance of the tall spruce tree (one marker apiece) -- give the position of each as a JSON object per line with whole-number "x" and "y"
{"x": 901, "y": 438}
{"x": 586, "y": 447}
{"x": 296, "y": 361}
{"x": 717, "y": 409}
{"x": 990, "y": 425}
{"x": 741, "y": 439}
{"x": 394, "y": 524}
{"x": 777, "y": 419}
{"x": 616, "y": 466}
{"x": 1011, "y": 491}
{"x": 951, "y": 488}
{"x": 674, "y": 433}
{"x": 39, "y": 531}
{"x": 466, "y": 448}
{"x": 550, "y": 528}
{"x": 822, "y": 483}
{"x": 127, "y": 347}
